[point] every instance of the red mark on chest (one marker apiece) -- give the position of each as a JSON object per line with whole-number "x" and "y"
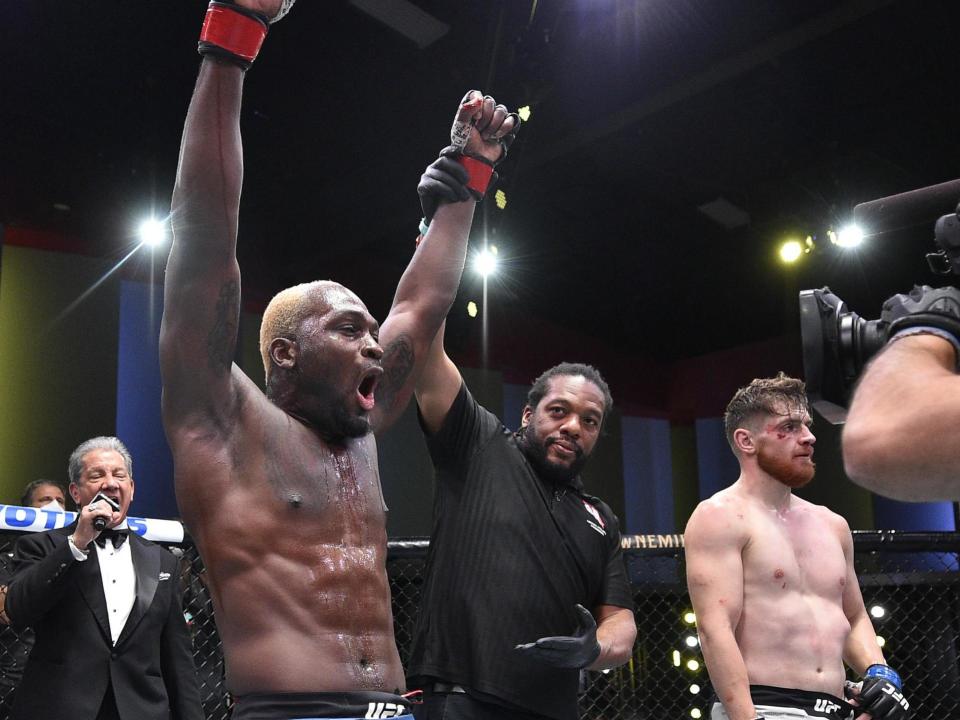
{"x": 843, "y": 581}
{"x": 778, "y": 574}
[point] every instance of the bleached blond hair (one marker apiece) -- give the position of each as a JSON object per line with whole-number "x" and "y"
{"x": 287, "y": 310}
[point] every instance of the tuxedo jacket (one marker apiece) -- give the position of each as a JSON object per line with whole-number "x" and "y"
{"x": 73, "y": 659}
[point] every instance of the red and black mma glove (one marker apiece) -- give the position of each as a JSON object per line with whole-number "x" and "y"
{"x": 573, "y": 652}
{"x": 456, "y": 177}
{"x": 483, "y": 177}
{"x": 925, "y": 311}
{"x": 881, "y": 695}
{"x": 234, "y": 33}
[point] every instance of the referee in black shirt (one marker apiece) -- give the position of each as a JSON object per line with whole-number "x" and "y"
{"x": 525, "y": 582}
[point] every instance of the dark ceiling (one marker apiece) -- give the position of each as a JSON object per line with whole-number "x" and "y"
{"x": 792, "y": 110}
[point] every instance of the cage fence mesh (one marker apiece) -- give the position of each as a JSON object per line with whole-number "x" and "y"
{"x": 910, "y": 584}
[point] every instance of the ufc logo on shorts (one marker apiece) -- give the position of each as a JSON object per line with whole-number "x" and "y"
{"x": 896, "y": 695}
{"x": 384, "y": 710}
{"x": 825, "y": 706}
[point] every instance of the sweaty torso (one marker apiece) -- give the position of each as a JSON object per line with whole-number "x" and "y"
{"x": 792, "y": 628}
{"x": 292, "y": 532}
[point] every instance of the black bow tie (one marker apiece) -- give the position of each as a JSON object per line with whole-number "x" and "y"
{"x": 116, "y": 538}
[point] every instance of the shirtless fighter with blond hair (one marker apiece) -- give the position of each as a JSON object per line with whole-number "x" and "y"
{"x": 281, "y": 490}
{"x": 771, "y": 577}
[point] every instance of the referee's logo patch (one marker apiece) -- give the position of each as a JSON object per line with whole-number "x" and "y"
{"x": 599, "y": 525}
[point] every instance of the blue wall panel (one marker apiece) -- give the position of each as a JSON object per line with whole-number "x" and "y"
{"x": 647, "y": 476}
{"x": 717, "y": 465}
{"x": 514, "y": 400}
{"x": 918, "y": 517}
{"x": 138, "y": 400}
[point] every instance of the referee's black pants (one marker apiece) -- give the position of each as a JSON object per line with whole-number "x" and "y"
{"x": 460, "y": 706}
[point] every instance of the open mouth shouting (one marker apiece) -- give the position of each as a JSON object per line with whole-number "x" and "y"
{"x": 367, "y": 386}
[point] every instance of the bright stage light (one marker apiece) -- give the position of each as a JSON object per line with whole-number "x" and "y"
{"x": 689, "y": 617}
{"x": 791, "y": 251}
{"x": 500, "y": 198}
{"x": 472, "y": 309}
{"x": 691, "y": 641}
{"x": 485, "y": 261}
{"x": 849, "y": 236}
{"x": 880, "y": 641}
{"x": 694, "y": 689}
{"x": 693, "y": 665}
{"x": 675, "y": 657}
{"x": 695, "y": 713}
{"x": 878, "y": 611}
{"x": 153, "y": 232}
{"x": 524, "y": 113}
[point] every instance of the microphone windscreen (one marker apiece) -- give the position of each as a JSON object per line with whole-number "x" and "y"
{"x": 913, "y": 207}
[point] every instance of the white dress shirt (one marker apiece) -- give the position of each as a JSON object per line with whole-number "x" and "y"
{"x": 118, "y": 578}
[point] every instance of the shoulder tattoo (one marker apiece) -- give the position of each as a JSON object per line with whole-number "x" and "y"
{"x": 398, "y": 360}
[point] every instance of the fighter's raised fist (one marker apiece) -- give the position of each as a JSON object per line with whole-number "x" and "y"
{"x": 234, "y": 30}
{"x": 482, "y": 128}
{"x": 273, "y": 10}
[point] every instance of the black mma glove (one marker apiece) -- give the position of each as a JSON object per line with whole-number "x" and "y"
{"x": 881, "y": 696}
{"x": 925, "y": 310}
{"x": 444, "y": 180}
{"x": 575, "y": 651}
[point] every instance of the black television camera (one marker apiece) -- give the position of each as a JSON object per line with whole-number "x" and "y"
{"x": 837, "y": 342}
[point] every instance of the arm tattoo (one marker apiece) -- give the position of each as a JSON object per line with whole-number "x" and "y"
{"x": 223, "y": 334}
{"x": 398, "y": 360}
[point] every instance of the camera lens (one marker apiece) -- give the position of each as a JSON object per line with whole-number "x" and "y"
{"x": 837, "y": 343}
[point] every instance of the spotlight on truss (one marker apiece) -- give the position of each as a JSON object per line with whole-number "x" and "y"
{"x": 485, "y": 261}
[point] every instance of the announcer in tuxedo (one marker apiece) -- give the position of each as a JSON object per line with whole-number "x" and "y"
{"x": 111, "y": 640}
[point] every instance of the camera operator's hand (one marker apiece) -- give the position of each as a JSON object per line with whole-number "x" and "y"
{"x": 935, "y": 311}
{"x": 893, "y": 442}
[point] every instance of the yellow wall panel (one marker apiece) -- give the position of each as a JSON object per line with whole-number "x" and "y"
{"x": 58, "y": 373}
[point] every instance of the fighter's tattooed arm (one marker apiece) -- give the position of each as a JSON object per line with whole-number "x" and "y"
{"x": 221, "y": 341}
{"x": 393, "y": 392}
{"x": 202, "y": 286}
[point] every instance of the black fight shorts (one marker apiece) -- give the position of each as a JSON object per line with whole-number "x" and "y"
{"x": 317, "y": 706}
{"x": 775, "y": 703}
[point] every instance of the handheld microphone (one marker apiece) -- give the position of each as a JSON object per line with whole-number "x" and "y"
{"x": 100, "y": 523}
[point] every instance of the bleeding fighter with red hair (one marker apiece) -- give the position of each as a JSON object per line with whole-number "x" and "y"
{"x": 771, "y": 576}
